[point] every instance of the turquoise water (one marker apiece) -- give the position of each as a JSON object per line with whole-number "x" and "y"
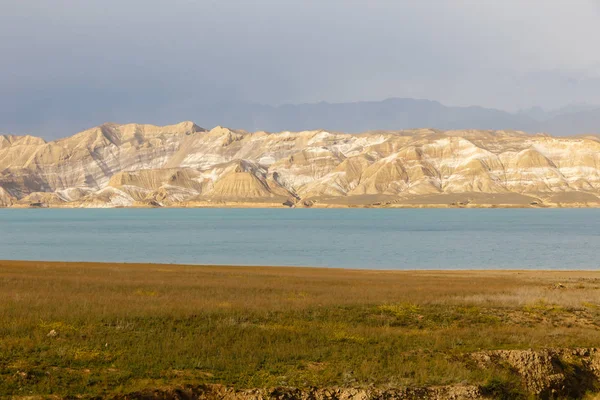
{"x": 349, "y": 238}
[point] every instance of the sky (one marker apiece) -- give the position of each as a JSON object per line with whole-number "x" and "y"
{"x": 66, "y": 65}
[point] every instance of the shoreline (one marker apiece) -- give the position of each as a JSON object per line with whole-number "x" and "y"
{"x": 317, "y": 207}
{"x": 291, "y": 268}
{"x": 477, "y": 200}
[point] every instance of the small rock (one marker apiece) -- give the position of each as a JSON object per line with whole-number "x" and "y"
{"x": 21, "y": 374}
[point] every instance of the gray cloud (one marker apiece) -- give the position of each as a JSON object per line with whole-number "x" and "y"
{"x": 67, "y": 64}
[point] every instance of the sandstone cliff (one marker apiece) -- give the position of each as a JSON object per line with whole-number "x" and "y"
{"x": 185, "y": 165}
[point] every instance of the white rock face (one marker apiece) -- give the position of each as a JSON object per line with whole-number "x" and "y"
{"x": 185, "y": 165}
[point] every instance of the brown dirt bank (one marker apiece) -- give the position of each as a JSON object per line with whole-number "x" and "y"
{"x": 438, "y": 200}
{"x": 178, "y": 332}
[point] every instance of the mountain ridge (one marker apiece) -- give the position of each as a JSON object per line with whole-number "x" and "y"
{"x": 395, "y": 114}
{"x": 352, "y": 117}
{"x": 184, "y": 165}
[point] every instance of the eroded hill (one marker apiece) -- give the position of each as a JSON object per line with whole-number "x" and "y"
{"x": 185, "y": 165}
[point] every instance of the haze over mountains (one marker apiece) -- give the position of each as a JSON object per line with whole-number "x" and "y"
{"x": 351, "y": 117}
{"x": 399, "y": 113}
{"x": 236, "y": 63}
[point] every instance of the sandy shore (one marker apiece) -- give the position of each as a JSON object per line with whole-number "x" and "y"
{"x": 447, "y": 200}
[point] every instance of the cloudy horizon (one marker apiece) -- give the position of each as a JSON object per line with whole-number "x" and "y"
{"x": 69, "y": 65}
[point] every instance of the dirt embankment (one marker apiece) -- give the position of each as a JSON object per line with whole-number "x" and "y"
{"x": 543, "y": 374}
{"x": 221, "y": 392}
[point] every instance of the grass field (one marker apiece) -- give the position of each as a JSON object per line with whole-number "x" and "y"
{"x": 98, "y": 329}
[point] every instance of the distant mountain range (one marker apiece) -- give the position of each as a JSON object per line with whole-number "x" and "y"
{"x": 395, "y": 114}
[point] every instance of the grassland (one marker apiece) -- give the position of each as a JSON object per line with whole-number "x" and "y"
{"x": 97, "y": 329}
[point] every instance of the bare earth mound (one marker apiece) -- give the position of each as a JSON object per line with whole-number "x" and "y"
{"x": 184, "y": 165}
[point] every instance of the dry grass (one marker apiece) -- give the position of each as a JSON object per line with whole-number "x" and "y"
{"x": 121, "y": 327}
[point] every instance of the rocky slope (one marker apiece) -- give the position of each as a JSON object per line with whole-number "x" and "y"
{"x": 185, "y": 165}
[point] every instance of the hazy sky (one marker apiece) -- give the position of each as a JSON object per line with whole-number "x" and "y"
{"x": 71, "y": 64}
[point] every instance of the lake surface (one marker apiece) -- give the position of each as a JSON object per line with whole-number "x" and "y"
{"x": 348, "y": 238}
